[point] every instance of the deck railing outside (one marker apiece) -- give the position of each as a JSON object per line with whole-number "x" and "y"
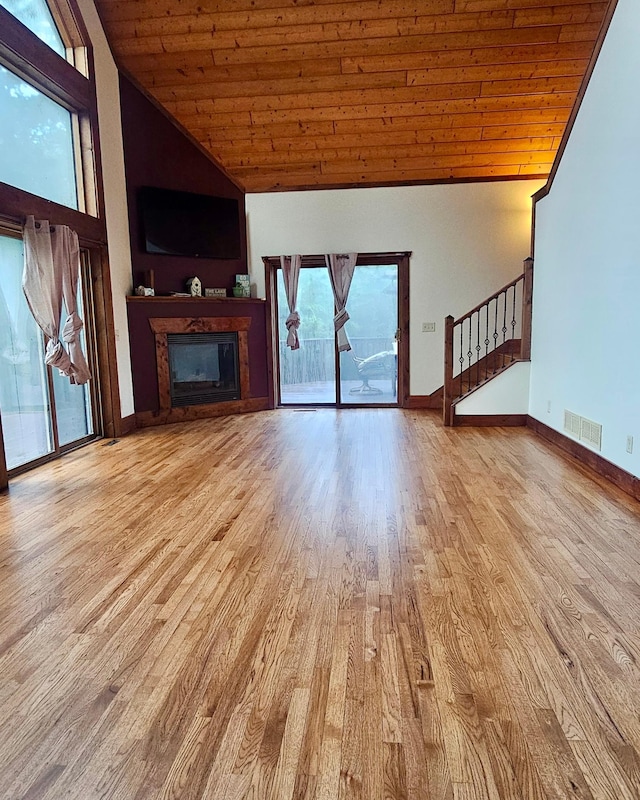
{"x": 314, "y": 362}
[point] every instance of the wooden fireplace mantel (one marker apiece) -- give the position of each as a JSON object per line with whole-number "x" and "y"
{"x": 162, "y": 327}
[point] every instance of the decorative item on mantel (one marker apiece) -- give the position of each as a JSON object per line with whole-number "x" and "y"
{"x": 243, "y": 286}
{"x": 145, "y": 291}
{"x": 194, "y": 286}
{"x": 215, "y": 292}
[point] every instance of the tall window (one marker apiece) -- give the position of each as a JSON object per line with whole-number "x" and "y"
{"x": 36, "y": 142}
{"x": 42, "y": 412}
{"x": 46, "y": 97}
{"x": 47, "y": 102}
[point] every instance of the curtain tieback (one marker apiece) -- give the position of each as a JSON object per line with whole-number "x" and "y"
{"x": 57, "y": 356}
{"x": 293, "y": 320}
{"x": 293, "y": 323}
{"x": 340, "y": 319}
{"x": 71, "y": 327}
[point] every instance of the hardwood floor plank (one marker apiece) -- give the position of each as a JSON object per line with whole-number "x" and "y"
{"x": 338, "y": 605}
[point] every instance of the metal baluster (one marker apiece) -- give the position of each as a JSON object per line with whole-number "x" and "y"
{"x": 486, "y": 337}
{"x": 495, "y": 338}
{"x": 478, "y": 352}
{"x": 469, "y": 354}
{"x": 461, "y": 359}
{"x": 504, "y": 326}
{"x": 513, "y": 321}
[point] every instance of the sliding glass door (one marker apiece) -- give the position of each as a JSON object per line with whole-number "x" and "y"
{"x": 369, "y": 371}
{"x": 42, "y": 412}
{"x": 308, "y": 375}
{"x": 316, "y": 373}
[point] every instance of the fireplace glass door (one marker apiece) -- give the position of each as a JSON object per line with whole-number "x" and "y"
{"x": 203, "y": 368}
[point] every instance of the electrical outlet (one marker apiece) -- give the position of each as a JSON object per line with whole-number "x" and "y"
{"x": 629, "y": 444}
{"x": 428, "y": 327}
{"x": 548, "y": 406}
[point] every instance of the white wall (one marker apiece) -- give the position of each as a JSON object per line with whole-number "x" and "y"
{"x": 507, "y": 393}
{"x": 467, "y": 241}
{"x": 586, "y": 307}
{"x": 115, "y": 195}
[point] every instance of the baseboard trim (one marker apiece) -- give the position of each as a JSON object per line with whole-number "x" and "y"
{"x": 593, "y": 461}
{"x": 433, "y": 400}
{"x": 146, "y": 419}
{"x": 127, "y": 425}
{"x": 490, "y": 420}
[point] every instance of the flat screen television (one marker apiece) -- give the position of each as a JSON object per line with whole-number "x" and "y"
{"x": 187, "y": 224}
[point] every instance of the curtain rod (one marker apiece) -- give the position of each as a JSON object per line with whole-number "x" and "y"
{"x": 394, "y": 254}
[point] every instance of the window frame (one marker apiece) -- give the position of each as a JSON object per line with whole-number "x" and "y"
{"x": 24, "y": 54}
{"x": 71, "y": 83}
{"x": 88, "y": 314}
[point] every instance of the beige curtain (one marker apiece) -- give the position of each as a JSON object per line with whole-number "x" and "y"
{"x": 290, "y": 272}
{"x": 341, "y": 267}
{"x": 51, "y": 274}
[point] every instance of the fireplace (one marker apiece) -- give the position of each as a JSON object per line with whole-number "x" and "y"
{"x": 203, "y": 368}
{"x": 202, "y": 364}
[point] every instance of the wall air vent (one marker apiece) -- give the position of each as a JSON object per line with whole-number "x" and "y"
{"x": 591, "y": 433}
{"x": 583, "y": 429}
{"x": 572, "y": 423}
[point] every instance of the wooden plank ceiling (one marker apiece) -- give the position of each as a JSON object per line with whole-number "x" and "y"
{"x": 290, "y": 94}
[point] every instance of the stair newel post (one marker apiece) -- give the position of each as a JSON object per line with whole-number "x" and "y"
{"x": 448, "y": 370}
{"x": 527, "y": 307}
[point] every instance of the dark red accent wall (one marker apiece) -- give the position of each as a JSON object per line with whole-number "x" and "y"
{"x": 156, "y": 153}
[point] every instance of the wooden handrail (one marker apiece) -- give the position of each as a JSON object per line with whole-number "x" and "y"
{"x": 486, "y": 302}
{"x": 501, "y": 354}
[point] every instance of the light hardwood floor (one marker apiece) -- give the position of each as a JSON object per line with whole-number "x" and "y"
{"x": 319, "y": 604}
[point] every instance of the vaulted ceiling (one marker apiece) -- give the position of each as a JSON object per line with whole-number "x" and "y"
{"x": 290, "y": 94}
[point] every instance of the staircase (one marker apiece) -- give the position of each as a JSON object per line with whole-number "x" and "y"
{"x": 487, "y": 340}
